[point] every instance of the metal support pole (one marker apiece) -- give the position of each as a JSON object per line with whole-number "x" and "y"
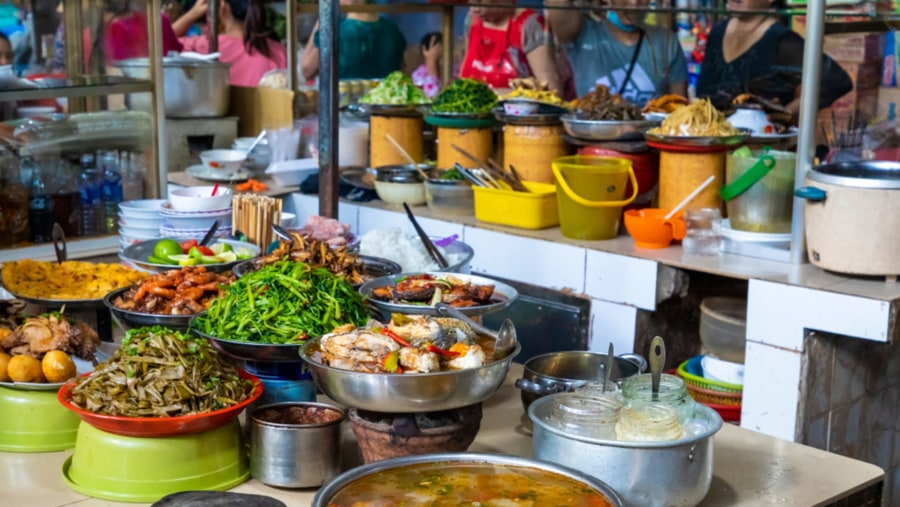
{"x": 155, "y": 180}
{"x": 329, "y": 19}
{"x": 447, "y": 34}
{"x": 212, "y": 17}
{"x": 809, "y": 110}
{"x": 290, "y": 26}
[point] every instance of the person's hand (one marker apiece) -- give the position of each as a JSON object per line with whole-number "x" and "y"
{"x": 432, "y": 51}
{"x": 200, "y": 8}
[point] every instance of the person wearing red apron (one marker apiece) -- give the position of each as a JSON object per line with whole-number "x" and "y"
{"x": 507, "y": 43}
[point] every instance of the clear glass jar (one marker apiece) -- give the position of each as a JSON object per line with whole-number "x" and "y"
{"x": 673, "y": 392}
{"x": 585, "y": 416}
{"x": 649, "y": 422}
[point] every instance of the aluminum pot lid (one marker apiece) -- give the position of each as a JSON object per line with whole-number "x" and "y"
{"x": 862, "y": 174}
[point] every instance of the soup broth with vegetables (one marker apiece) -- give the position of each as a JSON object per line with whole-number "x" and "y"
{"x": 467, "y": 484}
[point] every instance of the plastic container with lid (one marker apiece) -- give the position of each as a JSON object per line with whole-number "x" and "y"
{"x": 723, "y": 327}
{"x": 649, "y": 422}
{"x": 450, "y": 197}
{"x": 586, "y": 416}
{"x": 638, "y": 391}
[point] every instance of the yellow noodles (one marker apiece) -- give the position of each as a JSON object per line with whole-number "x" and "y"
{"x": 699, "y": 118}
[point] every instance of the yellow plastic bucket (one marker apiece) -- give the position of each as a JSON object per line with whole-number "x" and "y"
{"x": 591, "y": 194}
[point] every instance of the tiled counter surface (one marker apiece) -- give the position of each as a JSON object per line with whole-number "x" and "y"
{"x": 750, "y": 469}
{"x": 837, "y": 393}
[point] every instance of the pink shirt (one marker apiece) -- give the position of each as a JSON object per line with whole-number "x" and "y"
{"x": 246, "y": 68}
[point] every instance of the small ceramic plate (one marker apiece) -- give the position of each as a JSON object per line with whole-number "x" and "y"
{"x": 82, "y": 366}
{"x": 203, "y": 173}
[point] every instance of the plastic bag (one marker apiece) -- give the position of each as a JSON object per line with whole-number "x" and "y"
{"x": 275, "y": 79}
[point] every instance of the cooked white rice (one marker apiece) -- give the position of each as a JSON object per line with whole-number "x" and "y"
{"x": 407, "y": 251}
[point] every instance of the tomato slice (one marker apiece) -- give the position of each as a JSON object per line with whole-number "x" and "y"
{"x": 187, "y": 245}
{"x": 205, "y": 250}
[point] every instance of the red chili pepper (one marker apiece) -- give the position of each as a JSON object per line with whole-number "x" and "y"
{"x": 394, "y": 336}
{"x": 442, "y": 352}
{"x": 391, "y": 362}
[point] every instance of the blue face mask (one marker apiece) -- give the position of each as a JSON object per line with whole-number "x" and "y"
{"x": 613, "y": 17}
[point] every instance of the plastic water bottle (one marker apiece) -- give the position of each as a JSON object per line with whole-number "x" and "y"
{"x": 91, "y": 189}
{"x": 40, "y": 213}
{"x": 132, "y": 176}
{"x": 112, "y": 190}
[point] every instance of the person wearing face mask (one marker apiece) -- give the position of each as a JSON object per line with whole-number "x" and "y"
{"x": 754, "y": 53}
{"x": 506, "y": 43}
{"x": 617, "y": 50}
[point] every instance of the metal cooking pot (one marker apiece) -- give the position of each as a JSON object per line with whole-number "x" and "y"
{"x": 193, "y": 88}
{"x": 565, "y": 371}
{"x": 645, "y": 474}
{"x": 325, "y": 495}
{"x": 852, "y": 215}
{"x": 410, "y": 392}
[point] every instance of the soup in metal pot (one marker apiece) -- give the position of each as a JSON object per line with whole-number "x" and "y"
{"x": 444, "y": 484}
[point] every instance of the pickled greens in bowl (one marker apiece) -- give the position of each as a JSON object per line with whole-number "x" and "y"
{"x": 397, "y": 89}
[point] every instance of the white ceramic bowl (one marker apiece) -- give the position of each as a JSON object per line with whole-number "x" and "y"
{"x": 520, "y": 108}
{"x": 242, "y": 143}
{"x": 289, "y": 173}
{"x": 142, "y": 223}
{"x": 753, "y": 119}
{"x": 288, "y": 220}
{"x": 200, "y": 198}
{"x": 141, "y": 208}
{"x": 167, "y": 232}
{"x": 139, "y": 234}
{"x": 198, "y": 222}
{"x": 223, "y": 160}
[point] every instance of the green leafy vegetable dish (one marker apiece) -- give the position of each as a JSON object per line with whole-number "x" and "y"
{"x": 282, "y": 303}
{"x": 397, "y": 89}
{"x": 158, "y": 372}
{"x": 465, "y": 96}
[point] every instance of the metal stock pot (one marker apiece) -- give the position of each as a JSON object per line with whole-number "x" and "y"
{"x": 193, "y": 87}
{"x": 852, "y": 215}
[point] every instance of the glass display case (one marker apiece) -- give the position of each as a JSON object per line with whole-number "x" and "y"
{"x": 70, "y": 149}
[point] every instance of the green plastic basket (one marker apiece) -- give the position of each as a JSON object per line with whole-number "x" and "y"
{"x": 705, "y": 383}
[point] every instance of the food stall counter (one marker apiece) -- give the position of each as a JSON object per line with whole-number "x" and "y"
{"x": 749, "y": 468}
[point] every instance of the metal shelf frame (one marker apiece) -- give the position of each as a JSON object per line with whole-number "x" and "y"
{"x": 116, "y": 86}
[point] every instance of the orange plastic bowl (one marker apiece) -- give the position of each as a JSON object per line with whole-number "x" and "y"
{"x": 162, "y": 426}
{"x": 650, "y": 229}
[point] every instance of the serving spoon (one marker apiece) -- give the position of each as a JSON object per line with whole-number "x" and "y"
{"x": 504, "y": 339}
{"x": 657, "y": 361}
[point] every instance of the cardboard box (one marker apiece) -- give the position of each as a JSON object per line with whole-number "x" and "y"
{"x": 888, "y": 103}
{"x": 851, "y": 47}
{"x": 261, "y": 108}
{"x": 862, "y": 101}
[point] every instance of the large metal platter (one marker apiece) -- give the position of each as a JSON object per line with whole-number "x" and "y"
{"x": 389, "y": 109}
{"x": 82, "y": 366}
{"x": 543, "y": 107}
{"x": 535, "y": 120}
{"x": 504, "y": 295}
{"x": 74, "y": 304}
{"x": 138, "y": 254}
{"x": 459, "y": 116}
{"x": 603, "y": 130}
{"x": 129, "y": 318}
{"x": 272, "y": 352}
{"x": 358, "y": 177}
{"x": 700, "y": 141}
{"x": 786, "y": 136}
{"x": 375, "y": 267}
{"x": 408, "y": 392}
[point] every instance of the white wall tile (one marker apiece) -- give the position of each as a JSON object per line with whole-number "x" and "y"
{"x": 541, "y": 263}
{"x": 621, "y": 279}
{"x": 771, "y": 390}
{"x": 612, "y": 322}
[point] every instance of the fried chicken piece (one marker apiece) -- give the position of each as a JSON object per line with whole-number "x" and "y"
{"x": 85, "y": 341}
{"x": 665, "y": 104}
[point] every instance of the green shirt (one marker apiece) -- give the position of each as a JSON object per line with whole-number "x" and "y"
{"x": 369, "y": 50}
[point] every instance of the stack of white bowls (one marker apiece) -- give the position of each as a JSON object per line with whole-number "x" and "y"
{"x": 139, "y": 220}
{"x": 191, "y": 211}
{"x": 258, "y": 159}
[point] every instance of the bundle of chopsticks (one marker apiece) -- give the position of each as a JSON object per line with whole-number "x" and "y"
{"x": 489, "y": 174}
{"x": 850, "y": 137}
{"x": 254, "y": 215}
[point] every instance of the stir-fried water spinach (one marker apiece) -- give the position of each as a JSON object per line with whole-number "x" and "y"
{"x": 465, "y": 96}
{"x": 158, "y": 372}
{"x": 284, "y": 302}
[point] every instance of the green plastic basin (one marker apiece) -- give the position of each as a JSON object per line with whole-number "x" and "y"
{"x": 33, "y": 421}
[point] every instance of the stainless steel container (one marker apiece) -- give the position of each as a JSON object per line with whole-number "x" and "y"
{"x": 645, "y": 474}
{"x": 193, "y": 88}
{"x": 557, "y": 372}
{"x": 326, "y": 494}
{"x": 294, "y": 455}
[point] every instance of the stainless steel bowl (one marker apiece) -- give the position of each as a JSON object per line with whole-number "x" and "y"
{"x": 504, "y": 295}
{"x": 128, "y": 319}
{"x": 602, "y": 130}
{"x": 651, "y": 474}
{"x": 413, "y": 392}
{"x": 373, "y": 267}
{"x": 700, "y": 141}
{"x": 456, "y": 248}
{"x": 272, "y": 352}
{"x": 325, "y": 495}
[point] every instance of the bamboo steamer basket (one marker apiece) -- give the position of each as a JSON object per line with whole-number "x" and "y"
{"x": 406, "y": 130}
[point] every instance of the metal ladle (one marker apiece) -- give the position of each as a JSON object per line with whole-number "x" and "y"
{"x": 610, "y": 354}
{"x": 657, "y": 362}
{"x": 504, "y": 339}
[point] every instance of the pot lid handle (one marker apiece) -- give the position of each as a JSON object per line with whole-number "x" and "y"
{"x": 757, "y": 171}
